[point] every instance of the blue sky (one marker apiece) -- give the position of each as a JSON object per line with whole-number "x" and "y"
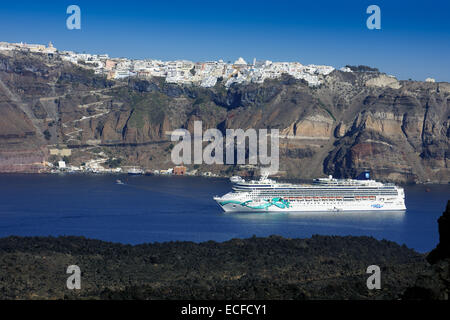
{"x": 414, "y": 40}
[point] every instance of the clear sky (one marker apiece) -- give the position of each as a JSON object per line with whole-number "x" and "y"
{"x": 414, "y": 40}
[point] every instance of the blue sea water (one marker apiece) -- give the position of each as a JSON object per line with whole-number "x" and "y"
{"x": 160, "y": 209}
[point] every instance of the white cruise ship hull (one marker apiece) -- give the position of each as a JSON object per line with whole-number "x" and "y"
{"x": 310, "y": 207}
{"x": 324, "y": 195}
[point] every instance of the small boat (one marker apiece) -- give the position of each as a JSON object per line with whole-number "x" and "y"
{"x": 119, "y": 181}
{"x": 135, "y": 171}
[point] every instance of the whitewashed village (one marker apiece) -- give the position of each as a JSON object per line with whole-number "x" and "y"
{"x": 205, "y": 74}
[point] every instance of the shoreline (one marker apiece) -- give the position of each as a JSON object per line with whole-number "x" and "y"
{"x": 197, "y": 176}
{"x": 205, "y": 242}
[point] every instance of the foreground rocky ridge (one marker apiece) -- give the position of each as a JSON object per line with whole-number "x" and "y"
{"x": 399, "y": 130}
{"x": 434, "y": 282}
{"x": 322, "y": 267}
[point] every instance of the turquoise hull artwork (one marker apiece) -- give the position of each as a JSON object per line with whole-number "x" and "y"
{"x": 278, "y": 202}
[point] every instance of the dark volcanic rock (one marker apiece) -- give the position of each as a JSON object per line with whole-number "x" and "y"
{"x": 442, "y": 250}
{"x": 322, "y": 267}
{"x": 434, "y": 283}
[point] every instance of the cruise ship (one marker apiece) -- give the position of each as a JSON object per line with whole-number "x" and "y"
{"x": 324, "y": 194}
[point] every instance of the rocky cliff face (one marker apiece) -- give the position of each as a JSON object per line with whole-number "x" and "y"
{"x": 434, "y": 283}
{"x": 399, "y": 130}
{"x": 442, "y": 250}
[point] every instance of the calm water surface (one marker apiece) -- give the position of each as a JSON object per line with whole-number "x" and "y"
{"x": 159, "y": 209}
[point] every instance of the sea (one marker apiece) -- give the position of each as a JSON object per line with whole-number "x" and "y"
{"x": 147, "y": 209}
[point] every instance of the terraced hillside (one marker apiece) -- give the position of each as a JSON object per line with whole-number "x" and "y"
{"x": 399, "y": 130}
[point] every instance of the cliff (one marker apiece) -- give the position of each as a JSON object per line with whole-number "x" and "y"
{"x": 354, "y": 121}
{"x": 434, "y": 282}
{"x": 442, "y": 251}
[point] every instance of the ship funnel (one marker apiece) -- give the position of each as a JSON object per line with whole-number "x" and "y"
{"x": 365, "y": 175}
{"x": 236, "y": 179}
